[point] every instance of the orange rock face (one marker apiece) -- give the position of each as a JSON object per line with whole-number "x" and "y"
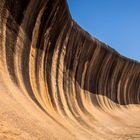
{"x": 58, "y": 82}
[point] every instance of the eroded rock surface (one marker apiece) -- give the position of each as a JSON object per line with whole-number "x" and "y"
{"x": 59, "y": 82}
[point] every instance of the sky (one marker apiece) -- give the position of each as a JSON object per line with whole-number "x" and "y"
{"x": 114, "y": 22}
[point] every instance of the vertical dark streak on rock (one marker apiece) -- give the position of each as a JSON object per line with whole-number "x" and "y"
{"x": 16, "y": 13}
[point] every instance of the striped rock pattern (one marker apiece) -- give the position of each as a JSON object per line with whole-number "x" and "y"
{"x": 58, "y": 82}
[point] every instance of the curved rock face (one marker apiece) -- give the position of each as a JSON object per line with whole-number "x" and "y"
{"x": 58, "y": 82}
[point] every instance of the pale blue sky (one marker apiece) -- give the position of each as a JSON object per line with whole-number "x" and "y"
{"x": 115, "y": 22}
